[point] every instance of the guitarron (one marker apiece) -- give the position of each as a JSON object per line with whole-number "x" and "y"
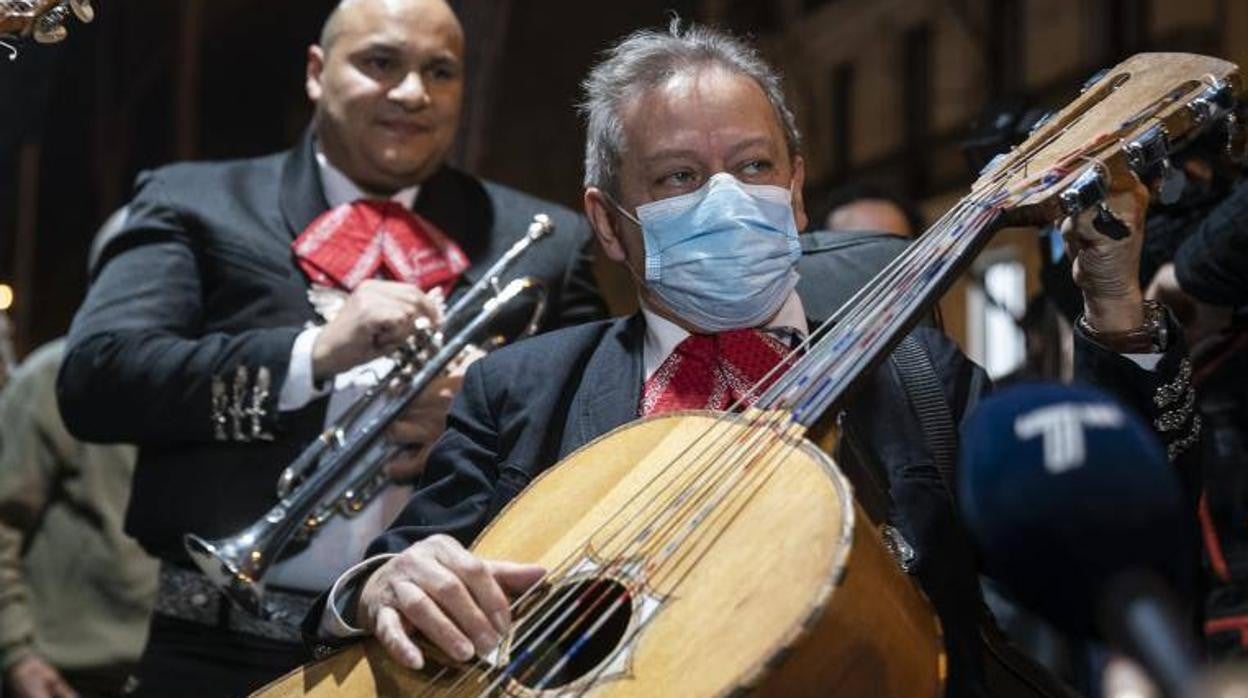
{"x": 42, "y": 19}
{"x": 709, "y": 554}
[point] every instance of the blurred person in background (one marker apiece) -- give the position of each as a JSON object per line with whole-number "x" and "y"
{"x": 1199, "y": 249}
{"x": 75, "y": 590}
{"x": 866, "y": 207}
{"x": 247, "y": 304}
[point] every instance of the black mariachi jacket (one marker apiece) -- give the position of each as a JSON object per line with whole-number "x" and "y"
{"x": 184, "y": 339}
{"x": 525, "y": 407}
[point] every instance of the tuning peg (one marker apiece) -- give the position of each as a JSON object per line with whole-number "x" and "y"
{"x": 1108, "y": 224}
{"x": 82, "y": 10}
{"x": 1087, "y": 84}
{"x": 1236, "y": 139}
{"x": 46, "y": 33}
{"x": 1168, "y": 183}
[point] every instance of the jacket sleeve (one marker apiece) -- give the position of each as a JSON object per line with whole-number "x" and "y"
{"x": 461, "y": 489}
{"x": 580, "y": 301}
{"x": 1212, "y": 264}
{"x": 458, "y": 495}
{"x": 29, "y": 469}
{"x": 1164, "y": 396}
{"x": 139, "y": 366}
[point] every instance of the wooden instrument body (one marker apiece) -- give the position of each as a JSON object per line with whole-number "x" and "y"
{"x": 795, "y": 595}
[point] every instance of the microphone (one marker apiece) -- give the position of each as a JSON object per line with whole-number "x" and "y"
{"x": 1076, "y": 509}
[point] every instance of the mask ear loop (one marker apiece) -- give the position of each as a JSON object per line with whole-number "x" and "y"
{"x": 611, "y": 200}
{"x": 638, "y": 281}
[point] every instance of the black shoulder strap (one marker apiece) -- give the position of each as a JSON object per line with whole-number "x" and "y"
{"x": 923, "y": 387}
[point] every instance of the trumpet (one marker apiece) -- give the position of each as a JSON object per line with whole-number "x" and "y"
{"x": 342, "y": 470}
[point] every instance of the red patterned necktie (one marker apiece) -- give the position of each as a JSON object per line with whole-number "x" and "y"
{"x": 712, "y": 371}
{"x": 353, "y": 242}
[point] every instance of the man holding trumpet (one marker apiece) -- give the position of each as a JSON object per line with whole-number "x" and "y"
{"x": 247, "y": 303}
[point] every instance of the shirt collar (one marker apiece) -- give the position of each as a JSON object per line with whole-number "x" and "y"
{"x": 662, "y": 335}
{"x": 339, "y": 189}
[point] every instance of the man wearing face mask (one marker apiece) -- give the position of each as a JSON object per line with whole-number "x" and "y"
{"x": 693, "y": 182}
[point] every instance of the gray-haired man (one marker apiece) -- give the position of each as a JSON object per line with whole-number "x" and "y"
{"x": 692, "y": 155}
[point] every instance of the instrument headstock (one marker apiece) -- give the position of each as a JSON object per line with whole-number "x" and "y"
{"x": 1125, "y": 122}
{"x": 42, "y": 19}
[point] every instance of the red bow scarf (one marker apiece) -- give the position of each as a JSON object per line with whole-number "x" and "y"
{"x": 353, "y": 242}
{"x": 712, "y": 371}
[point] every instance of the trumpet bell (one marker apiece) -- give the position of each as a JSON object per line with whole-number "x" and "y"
{"x": 226, "y": 574}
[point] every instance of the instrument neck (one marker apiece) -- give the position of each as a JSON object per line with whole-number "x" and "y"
{"x": 859, "y": 335}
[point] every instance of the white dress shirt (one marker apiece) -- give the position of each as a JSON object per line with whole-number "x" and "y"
{"x": 662, "y": 336}
{"x": 661, "y": 339}
{"x": 343, "y": 540}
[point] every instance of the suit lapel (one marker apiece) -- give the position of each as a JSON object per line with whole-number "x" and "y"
{"x": 461, "y": 208}
{"x": 302, "y": 197}
{"x": 610, "y": 388}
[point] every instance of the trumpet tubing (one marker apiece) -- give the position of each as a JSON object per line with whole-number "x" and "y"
{"x": 342, "y": 470}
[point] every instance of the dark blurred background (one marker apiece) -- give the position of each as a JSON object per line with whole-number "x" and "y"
{"x": 885, "y": 91}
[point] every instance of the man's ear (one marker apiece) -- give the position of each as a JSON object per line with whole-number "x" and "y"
{"x": 312, "y": 74}
{"x": 796, "y": 186}
{"x": 602, "y": 219}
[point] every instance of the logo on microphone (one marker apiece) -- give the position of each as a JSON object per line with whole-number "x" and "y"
{"x": 1062, "y": 426}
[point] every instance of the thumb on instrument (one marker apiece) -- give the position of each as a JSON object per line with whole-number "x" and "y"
{"x": 515, "y": 577}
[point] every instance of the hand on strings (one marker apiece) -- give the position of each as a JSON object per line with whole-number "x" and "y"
{"x": 425, "y": 420}
{"x": 452, "y": 598}
{"x": 32, "y": 677}
{"x": 374, "y": 320}
{"x": 1107, "y": 269}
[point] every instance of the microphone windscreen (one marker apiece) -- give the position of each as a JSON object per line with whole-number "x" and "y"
{"x": 1063, "y": 490}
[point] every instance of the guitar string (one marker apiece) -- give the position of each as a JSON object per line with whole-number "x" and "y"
{"x": 635, "y": 586}
{"x": 679, "y": 501}
{"x": 929, "y": 236}
{"x": 630, "y": 637}
{"x": 686, "y": 551}
{"x": 969, "y": 244}
{"x": 818, "y": 374}
{"x": 839, "y": 374}
{"x": 1015, "y": 167}
{"x": 964, "y": 249}
{"x": 554, "y": 605}
{"x": 756, "y": 445}
{"x": 959, "y": 248}
{"x": 560, "y": 571}
{"x": 925, "y": 241}
{"x": 778, "y": 457}
{"x": 691, "y": 529}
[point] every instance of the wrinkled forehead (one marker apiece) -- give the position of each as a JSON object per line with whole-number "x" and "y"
{"x": 421, "y": 25}
{"x": 704, "y": 109}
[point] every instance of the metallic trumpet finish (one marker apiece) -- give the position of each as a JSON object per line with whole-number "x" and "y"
{"x": 342, "y": 470}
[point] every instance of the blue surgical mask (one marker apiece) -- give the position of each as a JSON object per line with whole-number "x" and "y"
{"x": 723, "y": 257}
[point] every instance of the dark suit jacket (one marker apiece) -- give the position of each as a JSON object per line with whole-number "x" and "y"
{"x": 200, "y": 293}
{"x": 525, "y": 407}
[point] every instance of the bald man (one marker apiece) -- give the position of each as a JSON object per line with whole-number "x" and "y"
{"x": 247, "y": 303}
{"x": 865, "y": 207}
